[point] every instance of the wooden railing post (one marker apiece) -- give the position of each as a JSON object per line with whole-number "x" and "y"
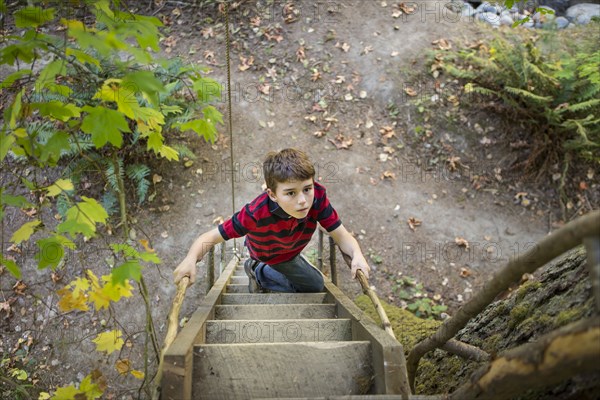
{"x": 210, "y": 269}
{"x": 320, "y": 251}
{"x": 222, "y": 262}
{"x": 332, "y": 262}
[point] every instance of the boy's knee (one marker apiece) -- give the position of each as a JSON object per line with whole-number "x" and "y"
{"x": 317, "y": 284}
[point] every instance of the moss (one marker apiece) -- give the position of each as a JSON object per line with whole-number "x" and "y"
{"x": 491, "y": 344}
{"x": 527, "y": 287}
{"x": 518, "y": 314}
{"x": 567, "y": 316}
{"x": 408, "y": 328}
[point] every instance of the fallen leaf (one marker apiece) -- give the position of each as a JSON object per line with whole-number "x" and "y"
{"x": 207, "y": 32}
{"x": 583, "y": 185}
{"x": 123, "y": 366}
{"x": 246, "y": 63}
{"x": 344, "y": 46}
{"x": 405, "y": 8}
{"x": 410, "y": 91}
{"x": 156, "y": 178}
{"x": 367, "y": 50}
{"x": 19, "y": 287}
{"x": 443, "y": 44}
{"x": 319, "y": 134}
{"x": 396, "y": 13}
{"x": 454, "y": 163}
{"x": 316, "y": 75}
{"x": 264, "y": 88}
{"x": 394, "y": 53}
{"x": 462, "y": 242}
{"x": 341, "y": 142}
{"x": 465, "y": 272}
{"x": 164, "y": 234}
{"x": 413, "y": 223}
{"x": 388, "y": 175}
{"x": 255, "y": 21}
{"x": 300, "y": 54}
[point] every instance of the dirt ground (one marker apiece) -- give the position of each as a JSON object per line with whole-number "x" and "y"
{"x": 340, "y": 69}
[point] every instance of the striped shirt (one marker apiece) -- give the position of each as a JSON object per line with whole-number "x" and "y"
{"x": 272, "y": 235}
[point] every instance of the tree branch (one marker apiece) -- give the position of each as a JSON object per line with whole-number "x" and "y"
{"x": 546, "y": 249}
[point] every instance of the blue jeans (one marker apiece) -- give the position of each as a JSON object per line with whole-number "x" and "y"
{"x": 293, "y": 276}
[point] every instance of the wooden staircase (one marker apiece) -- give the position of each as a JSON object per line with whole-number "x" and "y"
{"x": 239, "y": 345}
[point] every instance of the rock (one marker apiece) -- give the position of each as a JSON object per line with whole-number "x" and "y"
{"x": 486, "y": 7}
{"x": 561, "y": 23}
{"x": 560, "y": 6}
{"x": 506, "y": 19}
{"x": 490, "y": 18}
{"x": 582, "y": 14}
{"x": 468, "y": 10}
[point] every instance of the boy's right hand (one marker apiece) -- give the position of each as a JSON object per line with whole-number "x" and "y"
{"x": 186, "y": 268}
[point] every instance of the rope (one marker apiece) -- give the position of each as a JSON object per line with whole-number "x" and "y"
{"x": 229, "y": 118}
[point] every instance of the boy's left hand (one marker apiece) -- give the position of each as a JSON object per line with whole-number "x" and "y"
{"x": 359, "y": 262}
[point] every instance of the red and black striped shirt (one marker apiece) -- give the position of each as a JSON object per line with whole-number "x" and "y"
{"x": 272, "y": 235}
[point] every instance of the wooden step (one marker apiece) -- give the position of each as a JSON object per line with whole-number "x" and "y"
{"x": 272, "y": 298}
{"x": 274, "y": 311}
{"x": 282, "y": 330}
{"x": 279, "y": 370}
{"x": 237, "y": 288}
{"x": 239, "y": 280}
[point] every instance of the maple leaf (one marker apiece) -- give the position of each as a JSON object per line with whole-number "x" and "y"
{"x": 207, "y": 32}
{"x": 341, "y": 142}
{"x": 109, "y": 342}
{"x": 410, "y": 91}
{"x": 123, "y": 366}
{"x": 413, "y": 222}
{"x": 405, "y": 8}
{"x": 388, "y": 175}
{"x": 68, "y": 302}
{"x": 443, "y": 44}
{"x": 316, "y": 75}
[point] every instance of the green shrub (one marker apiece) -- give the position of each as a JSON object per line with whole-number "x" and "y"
{"x": 547, "y": 80}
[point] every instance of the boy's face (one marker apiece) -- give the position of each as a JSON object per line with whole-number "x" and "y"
{"x": 294, "y": 197}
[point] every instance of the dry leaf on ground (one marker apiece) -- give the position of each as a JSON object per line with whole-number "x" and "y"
{"x": 413, "y": 223}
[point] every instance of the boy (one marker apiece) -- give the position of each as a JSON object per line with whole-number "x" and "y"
{"x": 278, "y": 224}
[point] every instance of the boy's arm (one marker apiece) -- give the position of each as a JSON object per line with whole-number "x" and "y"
{"x": 200, "y": 247}
{"x": 349, "y": 246}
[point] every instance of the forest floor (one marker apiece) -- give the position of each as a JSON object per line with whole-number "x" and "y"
{"x": 347, "y": 83}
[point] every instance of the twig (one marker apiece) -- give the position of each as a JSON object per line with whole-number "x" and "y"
{"x": 171, "y": 331}
{"x": 364, "y": 283}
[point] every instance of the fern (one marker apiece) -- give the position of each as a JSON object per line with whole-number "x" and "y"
{"x": 111, "y": 175}
{"x": 586, "y": 105}
{"x": 110, "y": 202}
{"x": 184, "y": 151}
{"x": 138, "y": 174}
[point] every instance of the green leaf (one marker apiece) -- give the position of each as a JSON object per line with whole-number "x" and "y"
{"x": 202, "y": 128}
{"x": 25, "y": 231}
{"x": 206, "y": 89}
{"x": 58, "y": 110}
{"x": 5, "y": 144}
{"x": 60, "y": 186}
{"x": 105, "y": 125}
{"x": 144, "y": 81}
{"x": 66, "y": 393}
{"x": 212, "y": 115}
{"x": 48, "y": 74}
{"x": 128, "y": 270}
{"x": 15, "y": 76}
{"x": 52, "y": 251}
{"x": 12, "y": 266}
{"x": 82, "y": 218}
{"x": 15, "y": 110}
{"x": 53, "y": 149}
{"x": 82, "y": 57}
{"x": 15, "y": 201}
{"x": 32, "y": 17}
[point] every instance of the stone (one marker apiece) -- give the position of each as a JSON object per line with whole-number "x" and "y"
{"x": 582, "y": 14}
{"x": 561, "y": 23}
{"x": 490, "y": 18}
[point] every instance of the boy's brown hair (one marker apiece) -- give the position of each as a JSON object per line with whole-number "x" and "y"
{"x": 285, "y": 166}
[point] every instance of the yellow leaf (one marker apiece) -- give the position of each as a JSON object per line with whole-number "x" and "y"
{"x": 80, "y": 286}
{"x": 109, "y": 341}
{"x": 146, "y": 245}
{"x": 60, "y": 186}
{"x": 137, "y": 374}
{"x": 99, "y": 298}
{"x": 123, "y": 366}
{"x": 68, "y": 302}
{"x": 44, "y": 396}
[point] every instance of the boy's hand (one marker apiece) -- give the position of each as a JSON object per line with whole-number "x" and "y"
{"x": 186, "y": 268}
{"x": 359, "y": 263}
